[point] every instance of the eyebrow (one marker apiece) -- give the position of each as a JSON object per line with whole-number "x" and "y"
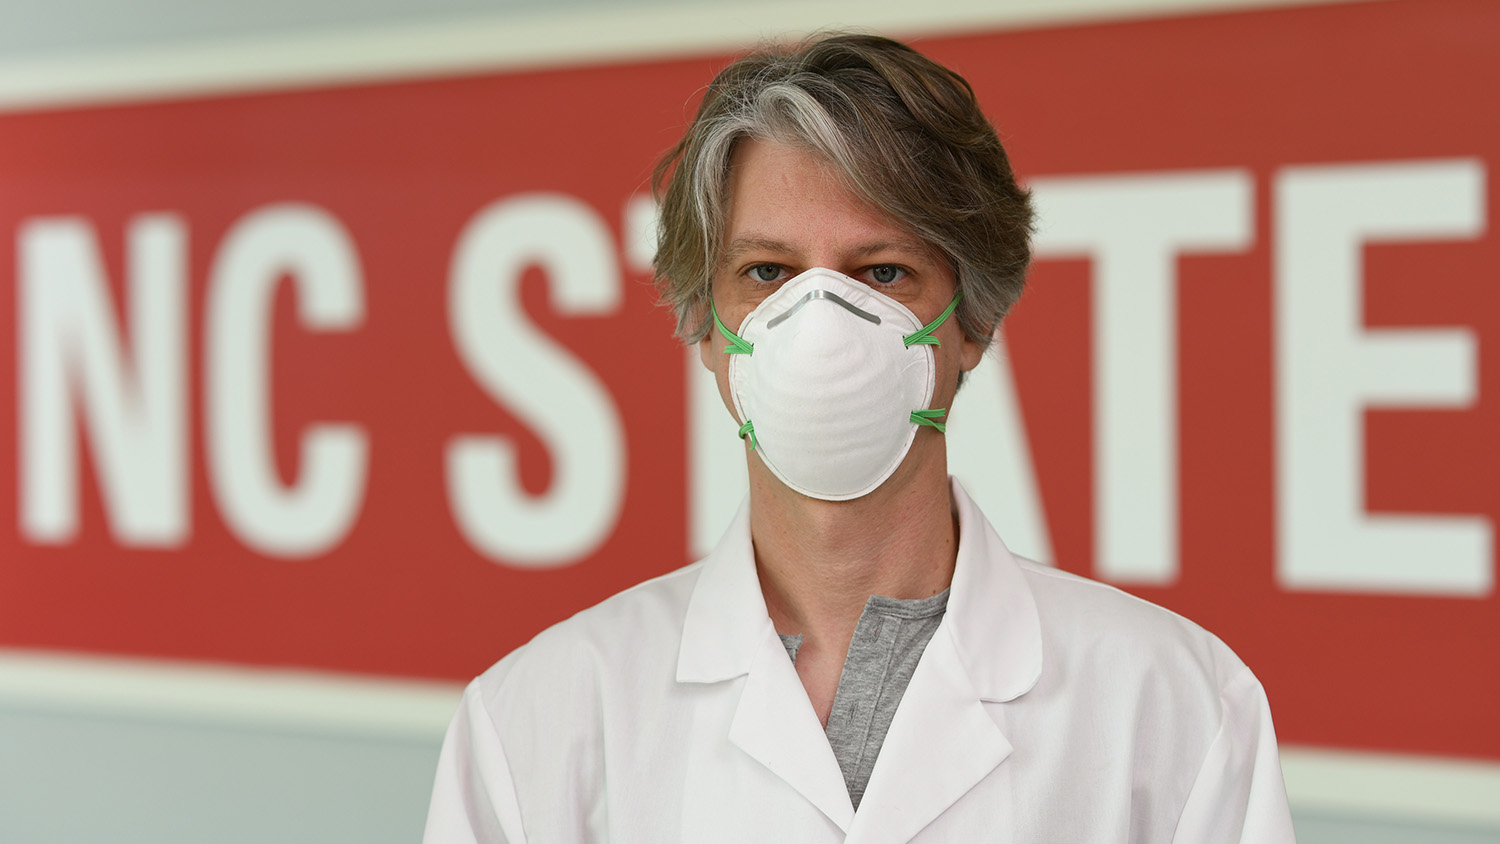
{"x": 903, "y": 246}
{"x": 752, "y": 243}
{"x": 740, "y": 246}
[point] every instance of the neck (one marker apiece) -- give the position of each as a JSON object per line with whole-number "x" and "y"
{"x": 819, "y": 561}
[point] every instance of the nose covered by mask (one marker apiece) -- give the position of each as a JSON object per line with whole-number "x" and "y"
{"x": 832, "y": 379}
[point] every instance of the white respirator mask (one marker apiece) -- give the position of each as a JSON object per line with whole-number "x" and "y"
{"x": 832, "y": 380}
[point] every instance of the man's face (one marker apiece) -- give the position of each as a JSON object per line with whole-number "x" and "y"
{"x": 788, "y": 213}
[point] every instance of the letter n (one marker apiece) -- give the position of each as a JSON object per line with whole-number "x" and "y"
{"x": 73, "y": 362}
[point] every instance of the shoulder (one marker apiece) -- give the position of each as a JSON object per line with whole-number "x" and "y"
{"x": 634, "y": 633}
{"x": 535, "y": 731}
{"x": 1098, "y": 637}
{"x": 1131, "y": 674}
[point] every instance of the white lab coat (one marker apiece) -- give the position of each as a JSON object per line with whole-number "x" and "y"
{"x": 1046, "y": 708}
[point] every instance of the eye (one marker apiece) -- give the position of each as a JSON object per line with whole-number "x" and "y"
{"x": 886, "y": 274}
{"x": 765, "y": 272}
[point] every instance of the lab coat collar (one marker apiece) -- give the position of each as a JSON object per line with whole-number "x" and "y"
{"x": 991, "y": 612}
{"x": 726, "y": 616}
{"x": 729, "y": 634}
{"x": 942, "y": 740}
{"x": 991, "y": 616}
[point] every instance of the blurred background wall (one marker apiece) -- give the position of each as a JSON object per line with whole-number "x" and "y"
{"x": 332, "y": 372}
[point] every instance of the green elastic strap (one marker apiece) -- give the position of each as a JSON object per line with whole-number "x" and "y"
{"x": 748, "y": 430}
{"x": 923, "y": 336}
{"x": 930, "y": 418}
{"x": 737, "y": 344}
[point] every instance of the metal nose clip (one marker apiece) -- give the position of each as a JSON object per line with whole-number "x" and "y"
{"x": 828, "y": 296}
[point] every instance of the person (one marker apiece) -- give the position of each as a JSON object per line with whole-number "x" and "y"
{"x": 860, "y": 658}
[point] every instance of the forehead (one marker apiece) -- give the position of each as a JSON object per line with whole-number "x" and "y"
{"x": 787, "y": 194}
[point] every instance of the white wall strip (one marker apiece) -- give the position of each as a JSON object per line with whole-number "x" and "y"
{"x": 1369, "y": 785}
{"x": 257, "y": 698}
{"x": 502, "y": 42}
{"x": 1393, "y": 787}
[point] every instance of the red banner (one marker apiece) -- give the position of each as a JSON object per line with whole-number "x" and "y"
{"x": 371, "y": 378}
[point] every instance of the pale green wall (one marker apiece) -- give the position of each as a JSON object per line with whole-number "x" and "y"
{"x": 80, "y": 778}
{"x": 67, "y": 778}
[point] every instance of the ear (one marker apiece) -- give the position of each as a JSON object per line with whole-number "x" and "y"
{"x": 970, "y": 352}
{"x": 706, "y": 351}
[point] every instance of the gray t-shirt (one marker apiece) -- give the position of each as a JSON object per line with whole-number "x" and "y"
{"x": 888, "y": 641}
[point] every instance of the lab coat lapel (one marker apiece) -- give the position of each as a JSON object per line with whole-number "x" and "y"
{"x": 776, "y": 725}
{"x": 943, "y": 740}
{"x": 991, "y": 613}
{"x": 727, "y": 634}
{"x": 726, "y": 615}
{"x": 940, "y": 744}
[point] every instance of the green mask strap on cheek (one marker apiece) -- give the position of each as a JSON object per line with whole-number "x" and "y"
{"x": 923, "y": 336}
{"x": 748, "y": 430}
{"x": 737, "y": 344}
{"x": 930, "y": 418}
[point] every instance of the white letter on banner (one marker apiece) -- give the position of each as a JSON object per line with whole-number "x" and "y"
{"x": 315, "y": 513}
{"x": 1133, "y": 228}
{"x": 717, "y": 476}
{"x": 538, "y": 380}
{"x": 135, "y": 415}
{"x": 989, "y": 454}
{"x": 1329, "y": 369}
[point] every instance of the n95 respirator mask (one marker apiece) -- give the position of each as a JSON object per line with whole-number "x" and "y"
{"x": 831, "y": 380}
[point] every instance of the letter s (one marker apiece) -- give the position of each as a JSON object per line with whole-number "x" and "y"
{"x": 538, "y": 380}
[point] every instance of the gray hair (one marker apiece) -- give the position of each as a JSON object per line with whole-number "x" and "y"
{"x": 903, "y": 132}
